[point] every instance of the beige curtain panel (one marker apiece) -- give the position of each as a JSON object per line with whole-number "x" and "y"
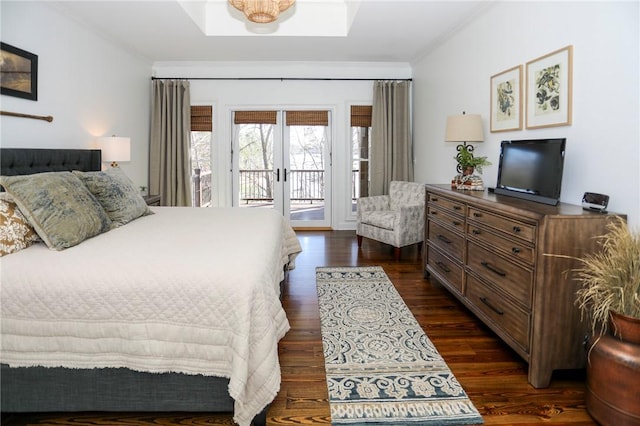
{"x": 391, "y": 139}
{"x": 169, "y": 160}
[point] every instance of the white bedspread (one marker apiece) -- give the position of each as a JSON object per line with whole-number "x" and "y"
{"x": 186, "y": 290}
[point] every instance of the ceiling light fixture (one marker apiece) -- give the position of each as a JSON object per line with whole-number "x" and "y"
{"x": 262, "y": 11}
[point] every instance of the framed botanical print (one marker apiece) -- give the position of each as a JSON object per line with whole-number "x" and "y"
{"x": 18, "y": 72}
{"x": 506, "y": 100}
{"x": 549, "y": 89}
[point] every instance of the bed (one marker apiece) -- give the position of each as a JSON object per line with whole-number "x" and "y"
{"x": 175, "y": 310}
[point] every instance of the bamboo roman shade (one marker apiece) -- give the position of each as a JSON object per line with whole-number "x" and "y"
{"x": 361, "y": 115}
{"x": 293, "y": 118}
{"x": 307, "y": 118}
{"x": 255, "y": 117}
{"x": 201, "y": 118}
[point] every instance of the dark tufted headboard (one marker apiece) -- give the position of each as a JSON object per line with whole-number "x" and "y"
{"x": 25, "y": 161}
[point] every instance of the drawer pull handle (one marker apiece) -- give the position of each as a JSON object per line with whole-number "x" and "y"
{"x": 516, "y": 229}
{"x": 443, "y": 267}
{"x": 457, "y": 208}
{"x": 456, "y": 223}
{"x": 515, "y": 250}
{"x": 493, "y": 269}
{"x": 476, "y": 214}
{"x": 444, "y": 239}
{"x": 434, "y": 199}
{"x": 493, "y": 308}
{"x": 476, "y": 232}
{"x": 433, "y": 212}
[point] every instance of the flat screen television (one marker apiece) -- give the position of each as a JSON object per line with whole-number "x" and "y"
{"x": 531, "y": 169}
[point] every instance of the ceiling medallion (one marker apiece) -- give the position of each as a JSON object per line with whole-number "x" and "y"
{"x": 262, "y": 11}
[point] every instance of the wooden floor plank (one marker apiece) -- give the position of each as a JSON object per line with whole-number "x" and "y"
{"x": 493, "y": 375}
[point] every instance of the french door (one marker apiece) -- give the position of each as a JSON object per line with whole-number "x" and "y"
{"x": 281, "y": 160}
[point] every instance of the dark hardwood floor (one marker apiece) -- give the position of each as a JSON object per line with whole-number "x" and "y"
{"x": 494, "y": 377}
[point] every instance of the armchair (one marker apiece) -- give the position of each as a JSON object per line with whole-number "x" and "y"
{"x": 396, "y": 219}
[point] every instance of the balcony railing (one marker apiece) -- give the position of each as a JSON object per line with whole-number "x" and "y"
{"x": 306, "y": 185}
{"x": 201, "y": 186}
{"x": 257, "y": 186}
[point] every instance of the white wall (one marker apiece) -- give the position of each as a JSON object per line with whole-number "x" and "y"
{"x": 603, "y": 143}
{"x": 91, "y": 87}
{"x": 334, "y": 95}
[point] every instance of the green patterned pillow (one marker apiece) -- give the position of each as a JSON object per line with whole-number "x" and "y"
{"x": 59, "y": 207}
{"x": 116, "y": 193}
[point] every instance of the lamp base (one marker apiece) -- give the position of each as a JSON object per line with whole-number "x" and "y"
{"x": 468, "y": 182}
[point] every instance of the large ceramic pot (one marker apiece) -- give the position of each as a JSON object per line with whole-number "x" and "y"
{"x": 613, "y": 374}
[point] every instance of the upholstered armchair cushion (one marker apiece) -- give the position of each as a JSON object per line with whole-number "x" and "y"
{"x": 396, "y": 219}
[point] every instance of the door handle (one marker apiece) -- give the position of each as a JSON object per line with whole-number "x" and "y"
{"x": 277, "y": 175}
{"x": 285, "y": 175}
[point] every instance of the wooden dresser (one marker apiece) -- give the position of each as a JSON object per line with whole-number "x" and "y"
{"x": 493, "y": 253}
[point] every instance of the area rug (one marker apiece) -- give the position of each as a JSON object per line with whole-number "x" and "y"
{"x": 382, "y": 369}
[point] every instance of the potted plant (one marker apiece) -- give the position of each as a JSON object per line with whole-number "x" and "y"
{"x": 610, "y": 298}
{"x": 467, "y": 163}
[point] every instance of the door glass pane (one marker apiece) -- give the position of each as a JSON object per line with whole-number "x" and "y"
{"x": 256, "y": 175}
{"x": 360, "y": 164}
{"x": 306, "y": 176}
{"x": 201, "y": 169}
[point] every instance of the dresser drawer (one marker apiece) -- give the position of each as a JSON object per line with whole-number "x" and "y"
{"x": 447, "y": 240}
{"x": 443, "y": 266}
{"x": 513, "y": 248}
{"x": 445, "y": 217}
{"x": 503, "y": 314}
{"x": 444, "y": 203}
{"x": 509, "y": 226}
{"x": 514, "y": 280}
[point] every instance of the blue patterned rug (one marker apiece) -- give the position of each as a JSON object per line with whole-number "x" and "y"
{"x": 381, "y": 367}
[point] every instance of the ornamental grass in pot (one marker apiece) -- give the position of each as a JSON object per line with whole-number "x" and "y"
{"x": 610, "y": 278}
{"x": 610, "y": 298}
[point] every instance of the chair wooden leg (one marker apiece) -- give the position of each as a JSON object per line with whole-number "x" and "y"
{"x": 397, "y": 252}
{"x": 359, "y": 240}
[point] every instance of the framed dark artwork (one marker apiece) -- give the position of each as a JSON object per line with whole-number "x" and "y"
{"x": 18, "y": 72}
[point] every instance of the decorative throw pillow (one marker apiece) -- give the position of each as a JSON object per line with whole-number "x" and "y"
{"x": 59, "y": 207}
{"x": 15, "y": 232}
{"x": 116, "y": 193}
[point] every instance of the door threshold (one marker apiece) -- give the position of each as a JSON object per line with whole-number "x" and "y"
{"x": 312, "y": 228}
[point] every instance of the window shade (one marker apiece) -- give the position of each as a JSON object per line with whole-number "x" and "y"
{"x": 254, "y": 117}
{"x": 361, "y": 115}
{"x": 307, "y": 118}
{"x": 201, "y": 118}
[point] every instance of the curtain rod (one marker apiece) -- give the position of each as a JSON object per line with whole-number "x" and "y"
{"x": 279, "y": 78}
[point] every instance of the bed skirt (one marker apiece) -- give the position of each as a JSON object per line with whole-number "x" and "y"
{"x": 40, "y": 389}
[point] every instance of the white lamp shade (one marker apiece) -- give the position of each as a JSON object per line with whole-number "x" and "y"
{"x": 115, "y": 148}
{"x": 464, "y": 128}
